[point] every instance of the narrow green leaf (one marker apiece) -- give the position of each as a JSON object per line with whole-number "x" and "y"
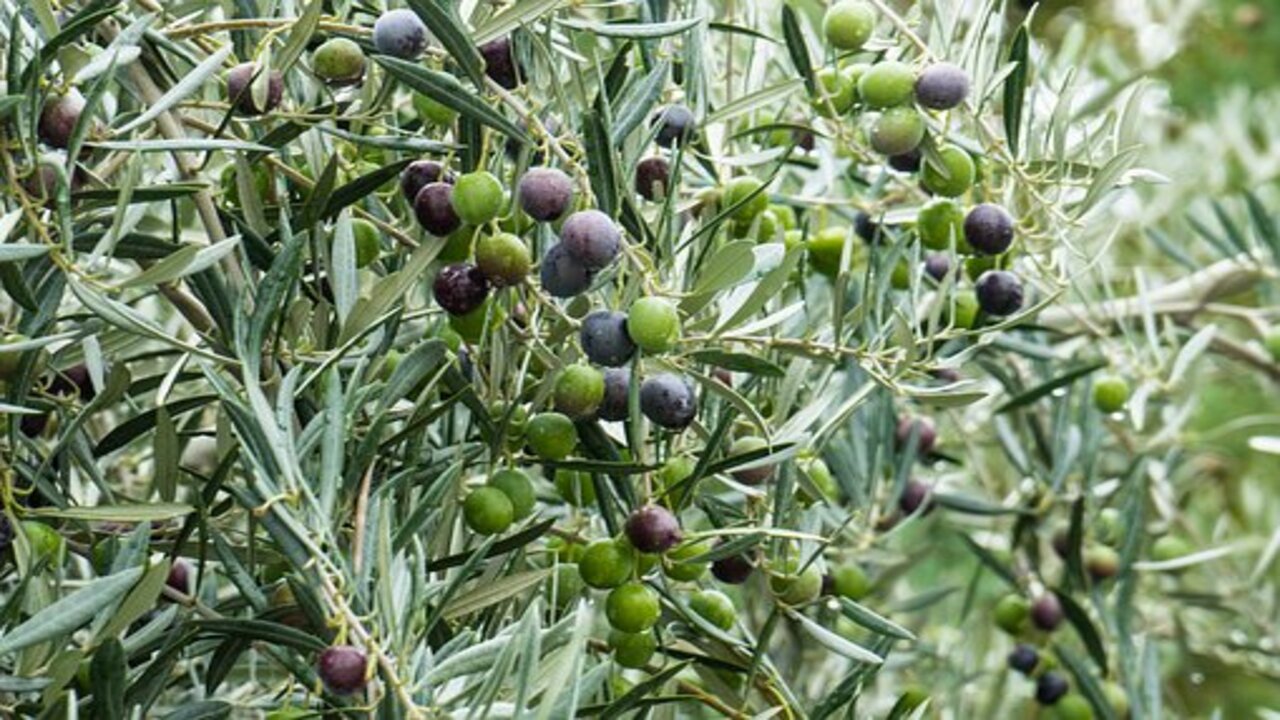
{"x": 726, "y": 268}
{"x": 1015, "y": 88}
{"x": 601, "y": 161}
{"x": 299, "y": 35}
{"x": 797, "y": 47}
{"x": 493, "y": 592}
{"x": 130, "y": 513}
{"x": 123, "y": 433}
{"x": 872, "y": 621}
{"x": 190, "y": 82}
{"x": 738, "y": 362}
{"x": 634, "y": 30}
{"x": 641, "y": 690}
{"x": 179, "y": 145}
{"x": 140, "y": 601}
{"x": 444, "y": 24}
{"x": 10, "y": 252}
{"x": 363, "y": 186}
{"x": 1079, "y": 620}
{"x": 69, "y": 613}
{"x": 446, "y": 90}
{"x": 834, "y": 642}
{"x": 515, "y": 16}
{"x": 261, "y": 630}
{"x": 187, "y": 261}
{"x": 751, "y": 102}
{"x": 768, "y": 288}
{"x": 1026, "y": 398}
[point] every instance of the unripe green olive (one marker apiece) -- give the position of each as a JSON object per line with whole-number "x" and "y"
{"x": 794, "y": 586}
{"x": 607, "y": 564}
{"x": 488, "y": 511}
{"x": 954, "y": 178}
{"x": 1110, "y": 393}
{"x": 368, "y": 241}
{"x": 1170, "y": 547}
{"x": 653, "y": 324}
{"x": 564, "y": 586}
{"x": 677, "y": 569}
{"x": 715, "y": 607}
{"x": 1013, "y": 614}
{"x": 737, "y": 190}
{"x": 10, "y": 359}
{"x": 836, "y": 94}
{"x": 477, "y": 197}
{"x": 433, "y": 111}
{"x": 897, "y": 131}
{"x": 887, "y": 84}
{"x": 848, "y": 24}
{"x": 632, "y": 650}
{"x": 518, "y": 488}
{"x": 632, "y": 607}
{"x": 851, "y": 582}
{"x": 941, "y": 222}
{"x": 827, "y": 247}
{"x": 579, "y": 390}
{"x": 551, "y": 436}
{"x": 1073, "y": 706}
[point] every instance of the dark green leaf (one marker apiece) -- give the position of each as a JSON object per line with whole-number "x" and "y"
{"x": 1015, "y": 88}
{"x": 441, "y": 18}
{"x": 641, "y": 690}
{"x": 446, "y": 90}
{"x": 797, "y": 47}
{"x": 1045, "y": 388}
{"x": 1079, "y": 619}
{"x": 738, "y": 362}
{"x": 107, "y": 681}
{"x": 872, "y": 621}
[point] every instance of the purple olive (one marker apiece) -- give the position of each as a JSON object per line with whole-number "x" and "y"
{"x": 545, "y": 193}
{"x": 999, "y": 292}
{"x": 433, "y": 207}
{"x": 653, "y": 178}
{"x": 592, "y": 238}
{"x": 400, "y": 33}
{"x": 937, "y": 265}
{"x": 942, "y": 86}
{"x": 732, "y": 570}
{"x": 916, "y": 497}
{"x": 562, "y": 274}
{"x": 421, "y": 173}
{"x": 617, "y": 389}
{"x": 926, "y": 438}
{"x": 676, "y": 125}
{"x": 604, "y": 338}
{"x": 59, "y": 117}
{"x": 1024, "y": 659}
{"x": 988, "y": 229}
{"x": 653, "y": 529}
{"x": 240, "y": 92}
{"x": 342, "y": 669}
{"x": 179, "y": 578}
{"x": 668, "y": 401}
{"x": 500, "y": 62}
{"x": 1046, "y": 612}
{"x": 1051, "y": 687}
{"x": 460, "y": 288}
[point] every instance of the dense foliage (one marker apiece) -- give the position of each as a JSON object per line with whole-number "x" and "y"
{"x": 671, "y": 358}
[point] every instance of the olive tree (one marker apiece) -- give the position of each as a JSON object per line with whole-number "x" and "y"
{"x": 541, "y": 359}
